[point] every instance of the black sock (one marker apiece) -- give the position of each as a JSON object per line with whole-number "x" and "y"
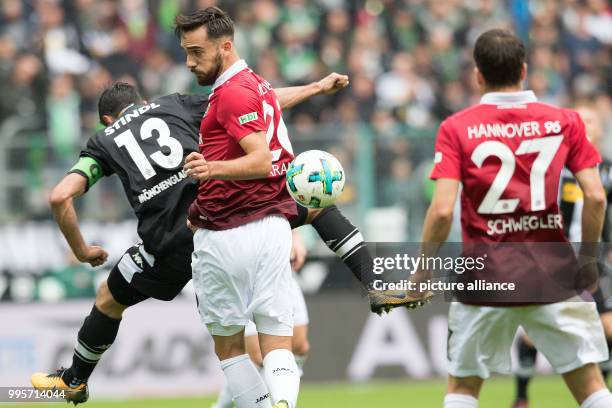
{"x": 96, "y": 335}
{"x": 527, "y": 360}
{"x": 521, "y": 387}
{"x": 346, "y": 241}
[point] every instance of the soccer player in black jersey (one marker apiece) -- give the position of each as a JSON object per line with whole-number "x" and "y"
{"x": 145, "y": 144}
{"x": 570, "y": 204}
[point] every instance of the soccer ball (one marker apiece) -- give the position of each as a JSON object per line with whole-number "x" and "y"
{"x": 315, "y": 179}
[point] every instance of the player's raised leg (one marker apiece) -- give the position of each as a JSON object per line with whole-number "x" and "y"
{"x": 98, "y": 331}
{"x": 347, "y": 242}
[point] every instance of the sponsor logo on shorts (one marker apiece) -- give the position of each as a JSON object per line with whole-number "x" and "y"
{"x": 279, "y": 369}
{"x": 137, "y": 260}
{"x": 262, "y": 398}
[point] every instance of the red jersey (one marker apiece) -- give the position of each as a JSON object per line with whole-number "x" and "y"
{"x": 242, "y": 103}
{"x": 508, "y": 152}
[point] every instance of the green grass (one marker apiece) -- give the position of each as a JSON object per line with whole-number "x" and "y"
{"x": 545, "y": 392}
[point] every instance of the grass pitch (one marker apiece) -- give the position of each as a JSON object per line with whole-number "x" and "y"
{"x": 545, "y": 392}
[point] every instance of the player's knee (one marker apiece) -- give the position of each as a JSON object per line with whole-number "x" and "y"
{"x": 225, "y": 352}
{"x": 229, "y": 346}
{"x": 465, "y": 385}
{"x": 584, "y": 381}
{"x": 106, "y": 303}
{"x": 301, "y": 347}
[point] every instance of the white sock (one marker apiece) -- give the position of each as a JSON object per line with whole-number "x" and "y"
{"x": 245, "y": 384}
{"x": 598, "y": 399}
{"x": 224, "y": 400}
{"x": 300, "y": 361}
{"x": 282, "y": 376}
{"x": 460, "y": 401}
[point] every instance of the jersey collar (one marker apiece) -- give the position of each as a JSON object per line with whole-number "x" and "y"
{"x": 235, "y": 68}
{"x": 508, "y": 98}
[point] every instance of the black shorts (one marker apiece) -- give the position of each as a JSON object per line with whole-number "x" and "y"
{"x": 139, "y": 275}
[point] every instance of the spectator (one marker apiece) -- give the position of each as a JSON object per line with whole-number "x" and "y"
{"x": 63, "y": 119}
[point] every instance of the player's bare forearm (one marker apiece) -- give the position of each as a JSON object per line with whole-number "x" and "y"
{"x": 593, "y": 210}
{"x": 439, "y": 217}
{"x": 255, "y": 164}
{"x": 438, "y": 220}
{"x": 294, "y": 95}
{"x": 61, "y": 201}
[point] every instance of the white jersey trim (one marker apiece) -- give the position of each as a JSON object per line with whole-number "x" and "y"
{"x": 508, "y": 98}
{"x": 235, "y": 68}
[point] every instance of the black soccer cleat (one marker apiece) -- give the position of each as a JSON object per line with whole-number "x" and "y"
{"x": 383, "y": 301}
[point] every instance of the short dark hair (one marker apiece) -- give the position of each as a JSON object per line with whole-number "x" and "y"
{"x": 216, "y": 21}
{"x": 115, "y": 98}
{"x": 499, "y": 56}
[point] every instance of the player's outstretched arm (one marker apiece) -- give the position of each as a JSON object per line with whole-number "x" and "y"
{"x": 255, "y": 164}
{"x": 294, "y": 95}
{"x": 439, "y": 217}
{"x": 61, "y": 200}
{"x": 438, "y": 220}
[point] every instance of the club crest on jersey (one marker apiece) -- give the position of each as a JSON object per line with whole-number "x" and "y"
{"x": 249, "y": 117}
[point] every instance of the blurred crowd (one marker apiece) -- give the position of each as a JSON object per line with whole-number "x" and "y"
{"x": 409, "y": 62}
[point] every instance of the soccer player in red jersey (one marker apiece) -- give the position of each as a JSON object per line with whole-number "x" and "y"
{"x": 241, "y": 260}
{"x": 508, "y": 152}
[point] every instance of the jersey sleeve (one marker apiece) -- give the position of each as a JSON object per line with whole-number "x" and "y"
{"x": 89, "y": 168}
{"x": 96, "y": 151}
{"x": 240, "y": 112}
{"x": 447, "y": 156}
{"x": 582, "y": 154}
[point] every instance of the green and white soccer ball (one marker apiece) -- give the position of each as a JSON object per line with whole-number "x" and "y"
{"x": 315, "y": 179}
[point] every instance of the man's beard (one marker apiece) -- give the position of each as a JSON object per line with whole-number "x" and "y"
{"x": 212, "y": 76}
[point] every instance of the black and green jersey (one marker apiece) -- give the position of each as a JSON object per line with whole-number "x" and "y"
{"x": 146, "y": 147}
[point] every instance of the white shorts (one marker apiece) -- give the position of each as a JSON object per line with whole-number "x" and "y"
{"x": 243, "y": 274}
{"x": 568, "y": 333}
{"x": 300, "y": 311}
